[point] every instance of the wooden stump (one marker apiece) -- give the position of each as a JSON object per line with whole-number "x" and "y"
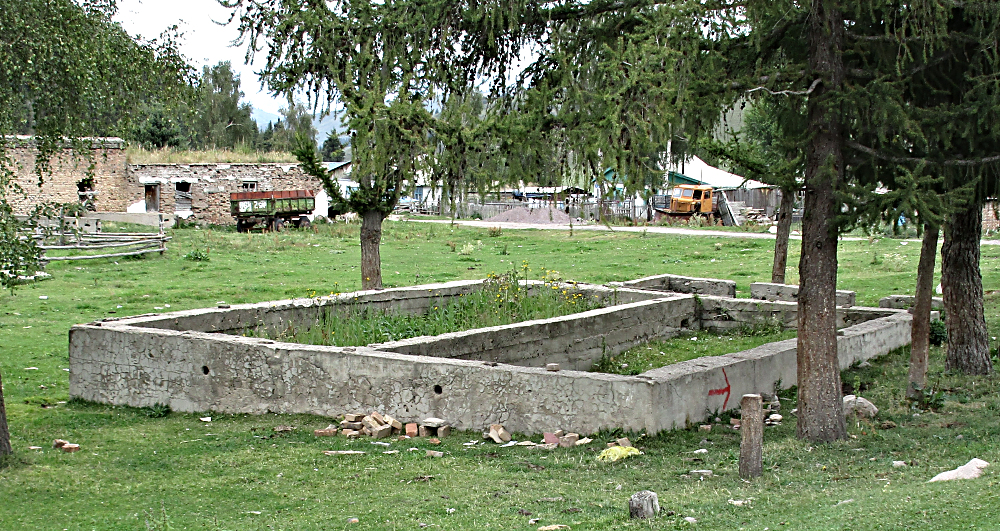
{"x": 643, "y": 504}
{"x": 752, "y": 440}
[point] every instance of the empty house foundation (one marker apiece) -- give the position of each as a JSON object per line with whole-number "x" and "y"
{"x": 197, "y": 360}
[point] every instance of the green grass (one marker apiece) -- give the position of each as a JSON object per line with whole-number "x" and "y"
{"x": 686, "y": 347}
{"x": 501, "y": 301}
{"x": 134, "y": 468}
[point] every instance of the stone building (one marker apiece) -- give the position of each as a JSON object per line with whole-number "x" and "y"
{"x": 196, "y": 192}
{"x": 97, "y": 177}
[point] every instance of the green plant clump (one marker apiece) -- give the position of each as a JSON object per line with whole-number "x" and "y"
{"x": 689, "y": 346}
{"x": 502, "y": 301}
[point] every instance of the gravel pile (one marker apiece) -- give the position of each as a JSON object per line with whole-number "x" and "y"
{"x": 533, "y": 215}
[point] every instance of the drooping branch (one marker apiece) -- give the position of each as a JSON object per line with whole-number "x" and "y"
{"x": 920, "y": 160}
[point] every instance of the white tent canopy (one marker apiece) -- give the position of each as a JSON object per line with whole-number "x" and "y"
{"x": 696, "y": 168}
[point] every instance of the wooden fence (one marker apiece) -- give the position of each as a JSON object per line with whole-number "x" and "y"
{"x": 91, "y": 245}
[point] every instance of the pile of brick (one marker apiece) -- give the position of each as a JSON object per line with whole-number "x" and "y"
{"x": 379, "y": 426}
{"x": 550, "y": 440}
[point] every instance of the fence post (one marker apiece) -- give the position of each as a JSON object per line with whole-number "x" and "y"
{"x": 163, "y": 241}
{"x": 752, "y": 436}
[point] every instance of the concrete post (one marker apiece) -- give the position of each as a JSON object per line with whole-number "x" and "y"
{"x": 752, "y": 440}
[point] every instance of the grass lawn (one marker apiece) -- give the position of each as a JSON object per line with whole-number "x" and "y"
{"x": 137, "y": 470}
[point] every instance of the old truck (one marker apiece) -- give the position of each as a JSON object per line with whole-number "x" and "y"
{"x": 271, "y": 210}
{"x": 686, "y": 200}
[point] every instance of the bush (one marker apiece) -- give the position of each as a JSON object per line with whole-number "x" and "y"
{"x": 938, "y": 333}
{"x": 197, "y": 255}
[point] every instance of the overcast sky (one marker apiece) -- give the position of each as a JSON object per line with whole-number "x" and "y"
{"x": 204, "y": 42}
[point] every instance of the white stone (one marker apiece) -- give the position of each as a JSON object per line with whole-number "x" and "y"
{"x": 859, "y": 406}
{"x": 971, "y": 470}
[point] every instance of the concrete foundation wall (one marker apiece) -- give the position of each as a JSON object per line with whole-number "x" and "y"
{"x": 142, "y": 361}
{"x": 904, "y": 302}
{"x": 790, "y": 293}
{"x": 575, "y": 341}
{"x": 680, "y": 284}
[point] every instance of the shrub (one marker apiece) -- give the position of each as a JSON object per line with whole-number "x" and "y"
{"x": 938, "y": 333}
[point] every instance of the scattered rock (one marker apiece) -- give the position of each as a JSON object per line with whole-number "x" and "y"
{"x": 739, "y": 503}
{"x": 432, "y": 453}
{"x": 433, "y": 422}
{"x": 328, "y": 432}
{"x": 411, "y": 429}
{"x": 353, "y": 520}
{"x": 552, "y": 500}
{"x": 499, "y": 434}
{"x": 859, "y": 407}
{"x": 555, "y": 527}
{"x": 643, "y": 504}
{"x": 888, "y": 425}
{"x": 382, "y": 432}
{"x": 569, "y": 440}
{"x": 59, "y": 443}
{"x": 70, "y": 448}
{"x": 705, "y": 427}
{"x": 205, "y": 419}
{"x": 550, "y": 438}
{"x": 553, "y": 367}
{"x": 444, "y": 431}
{"x": 284, "y": 429}
{"x": 583, "y": 441}
{"x": 353, "y": 417}
{"x": 970, "y": 470}
{"x": 700, "y": 451}
{"x": 898, "y": 464}
{"x": 550, "y": 446}
{"x": 34, "y": 447}
{"x": 343, "y": 452}
{"x": 690, "y": 520}
{"x": 434, "y": 441}
{"x": 702, "y": 473}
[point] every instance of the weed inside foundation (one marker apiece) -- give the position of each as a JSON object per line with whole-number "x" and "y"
{"x": 503, "y": 300}
{"x": 689, "y": 346}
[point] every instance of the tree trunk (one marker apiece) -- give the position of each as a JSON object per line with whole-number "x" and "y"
{"x": 921, "y": 327}
{"x": 968, "y": 348}
{"x": 781, "y": 239}
{"x": 371, "y": 238}
{"x": 5, "y": 448}
{"x": 821, "y": 417}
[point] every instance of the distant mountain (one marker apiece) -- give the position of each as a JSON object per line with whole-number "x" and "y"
{"x": 324, "y": 126}
{"x": 263, "y": 118}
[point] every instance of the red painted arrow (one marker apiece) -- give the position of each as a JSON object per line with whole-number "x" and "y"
{"x": 723, "y": 390}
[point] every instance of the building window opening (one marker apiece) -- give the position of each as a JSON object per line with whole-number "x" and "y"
{"x": 249, "y": 186}
{"x": 182, "y": 197}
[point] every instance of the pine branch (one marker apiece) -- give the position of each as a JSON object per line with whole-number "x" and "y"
{"x": 918, "y": 160}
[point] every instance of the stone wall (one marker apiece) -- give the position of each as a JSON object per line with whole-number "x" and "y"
{"x": 790, "y": 293}
{"x": 106, "y": 166}
{"x": 146, "y": 360}
{"x": 209, "y": 186}
{"x": 681, "y": 284}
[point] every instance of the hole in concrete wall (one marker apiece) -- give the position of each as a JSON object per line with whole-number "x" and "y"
{"x": 685, "y": 323}
{"x": 438, "y": 389}
{"x": 204, "y": 370}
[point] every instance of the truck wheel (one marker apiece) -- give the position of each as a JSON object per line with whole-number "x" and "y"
{"x": 302, "y": 223}
{"x": 279, "y": 224}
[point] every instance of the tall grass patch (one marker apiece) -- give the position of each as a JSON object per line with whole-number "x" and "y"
{"x": 503, "y": 300}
